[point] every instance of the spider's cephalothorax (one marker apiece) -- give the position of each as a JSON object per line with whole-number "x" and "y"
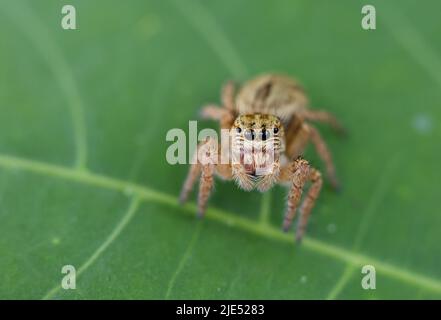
{"x": 268, "y": 122}
{"x": 257, "y": 143}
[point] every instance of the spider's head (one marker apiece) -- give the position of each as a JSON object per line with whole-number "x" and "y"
{"x": 258, "y": 139}
{"x": 258, "y": 129}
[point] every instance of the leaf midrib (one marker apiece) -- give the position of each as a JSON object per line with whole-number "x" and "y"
{"x": 230, "y": 219}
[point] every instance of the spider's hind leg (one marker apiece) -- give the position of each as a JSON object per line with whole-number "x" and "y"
{"x": 227, "y": 95}
{"x": 225, "y": 114}
{"x": 324, "y": 117}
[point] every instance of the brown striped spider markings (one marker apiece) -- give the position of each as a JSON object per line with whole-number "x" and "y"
{"x": 269, "y": 126}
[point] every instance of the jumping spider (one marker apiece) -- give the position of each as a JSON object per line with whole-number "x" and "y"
{"x": 271, "y": 111}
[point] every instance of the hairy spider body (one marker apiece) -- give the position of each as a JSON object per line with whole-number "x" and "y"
{"x": 269, "y": 129}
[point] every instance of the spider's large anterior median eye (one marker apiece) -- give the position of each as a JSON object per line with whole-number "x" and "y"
{"x": 249, "y": 134}
{"x": 265, "y": 134}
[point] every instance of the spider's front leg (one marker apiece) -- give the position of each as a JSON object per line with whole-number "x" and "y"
{"x": 305, "y": 210}
{"x": 299, "y": 172}
{"x": 206, "y": 184}
{"x": 193, "y": 174}
{"x": 205, "y": 161}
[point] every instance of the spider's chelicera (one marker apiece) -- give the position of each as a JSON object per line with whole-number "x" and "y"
{"x": 268, "y": 128}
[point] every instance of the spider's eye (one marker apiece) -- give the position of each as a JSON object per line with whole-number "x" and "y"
{"x": 238, "y": 130}
{"x": 249, "y": 134}
{"x": 275, "y": 130}
{"x": 265, "y": 134}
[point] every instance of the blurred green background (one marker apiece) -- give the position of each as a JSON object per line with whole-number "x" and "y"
{"x": 83, "y": 176}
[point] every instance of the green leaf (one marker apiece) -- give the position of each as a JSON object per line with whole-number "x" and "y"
{"x": 83, "y": 175}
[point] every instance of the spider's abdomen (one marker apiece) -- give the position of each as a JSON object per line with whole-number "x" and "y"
{"x": 271, "y": 94}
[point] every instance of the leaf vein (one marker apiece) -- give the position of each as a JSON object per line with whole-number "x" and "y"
{"x": 126, "y": 218}
{"x": 202, "y": 21}
{"x": 377, "y": 196}
{"x": 47, "y": 48}
{"x": 412, "y": 41}
{"x": 183, "y": 261}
